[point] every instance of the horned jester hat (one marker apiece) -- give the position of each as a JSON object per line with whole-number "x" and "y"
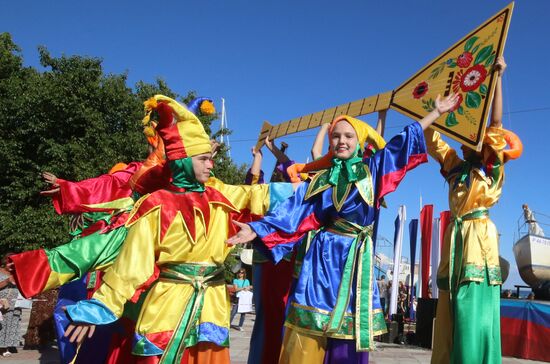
{"x": 182, "y": 133}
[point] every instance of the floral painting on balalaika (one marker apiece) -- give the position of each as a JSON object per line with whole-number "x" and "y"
{"x": 465, "y": 69}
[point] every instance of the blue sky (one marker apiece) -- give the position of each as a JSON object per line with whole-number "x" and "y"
{"x": 281, "y": 59}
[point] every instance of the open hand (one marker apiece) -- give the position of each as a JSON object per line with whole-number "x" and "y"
{"x": 442, "y": 106}
{"x": 268, "y": 143}
{"x": 244, "y": 235}
{"x": 79, "y": 332}
{"x": 50, "y": 178}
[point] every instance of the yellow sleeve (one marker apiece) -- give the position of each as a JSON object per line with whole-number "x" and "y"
{"x": 439, "y": 150}
{"x": 135, "y": 264}
{"x": 255, "y": 197}
{"x": 493, "y": 144}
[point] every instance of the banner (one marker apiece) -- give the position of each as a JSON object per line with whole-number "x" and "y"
{"x": 426, "y": 218}
{"x": 397, "y": 247}
{"x": 413, "y": 232}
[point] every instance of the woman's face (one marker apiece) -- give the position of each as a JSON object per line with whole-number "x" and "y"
{"x": 241, "y": 274}
{"x": 343, "y": 140}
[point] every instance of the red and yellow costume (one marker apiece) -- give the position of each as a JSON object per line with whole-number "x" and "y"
{"x": 176, "y": 239}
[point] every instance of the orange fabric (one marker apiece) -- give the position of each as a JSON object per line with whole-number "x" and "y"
{"x": 206, "y": 353}
{"x": 297, "y": 168}
{"x": 118, "y": 167}
{"x": 151, "y": 175}
{"x": 515, "y": 146}
{"x": 202, "y": 353}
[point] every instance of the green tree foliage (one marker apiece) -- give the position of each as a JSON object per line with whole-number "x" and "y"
{"x": 73, "y": 120}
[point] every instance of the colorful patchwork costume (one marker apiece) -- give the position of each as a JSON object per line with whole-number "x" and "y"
{"x": 334, "y": 310}
{"x": 176, "y": 239}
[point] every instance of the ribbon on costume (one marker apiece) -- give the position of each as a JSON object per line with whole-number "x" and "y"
{"x": 358, "y": 260}
{"x": 347, "y": 165}
{"x": 200, "y": 276}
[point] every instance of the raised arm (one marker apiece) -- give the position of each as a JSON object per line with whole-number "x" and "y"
{"x": 256, "y": 161}
{"x": 317, "y": 148}
{"x": 496, "y": 112}
{"x": 279, "y": 155}
{"x": 441, "y": 106}
{"x": 381, "y": 124}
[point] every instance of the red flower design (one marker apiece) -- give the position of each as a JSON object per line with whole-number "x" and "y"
{"x": 420, "y": 90}
{"x": 458, "y": 102}
{"x": 473, "y": 78}
{"x": 464, "y": 59}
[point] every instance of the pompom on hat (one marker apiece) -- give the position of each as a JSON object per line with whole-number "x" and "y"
{"x": 201, "y": 106}
{"x": 182, "y": 132}
{"x": 366, "y": 135}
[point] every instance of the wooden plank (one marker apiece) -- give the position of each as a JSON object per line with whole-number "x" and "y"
{"x": 293, "y": 125}
{"x": 328, "y": 116}
{"x": 304, "y": 122}
{"x": 355, "y": 108}
{"x": 266, "y": 128}
{"x": 315, "y": 119}
{"x": 283, "y": 127}
{"x": 274, "y": 131}
{"x": 384, "y": 101}
{"x": 341, "y": 110}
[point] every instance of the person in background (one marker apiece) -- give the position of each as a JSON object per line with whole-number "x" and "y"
{"x": 241, "y": 284}
{"x": 383, "y": 292}
{"x": 11, "y": 316}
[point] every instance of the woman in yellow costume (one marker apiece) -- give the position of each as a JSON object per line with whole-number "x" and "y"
{"x": 468, "y": 311}
{"x": 176, "y": 239}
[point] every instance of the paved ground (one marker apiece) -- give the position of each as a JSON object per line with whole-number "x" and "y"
{"x": 384, "y": 354}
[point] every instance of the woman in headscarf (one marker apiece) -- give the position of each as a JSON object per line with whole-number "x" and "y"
{"x": 334, "y": 311}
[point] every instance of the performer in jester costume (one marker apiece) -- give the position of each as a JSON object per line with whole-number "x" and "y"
{"x": 334, "y": 310}
{"x": 176, "y": 238}
{"x": 103, "y": 204}
{"x": 468, "y": 311}
{"x": 100, "y": 206}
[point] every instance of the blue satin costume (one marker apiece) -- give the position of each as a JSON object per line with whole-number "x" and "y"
{"x": 316, "y": 292}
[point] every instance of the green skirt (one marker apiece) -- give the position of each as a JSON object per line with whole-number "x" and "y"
{"x": 468, "y": 326}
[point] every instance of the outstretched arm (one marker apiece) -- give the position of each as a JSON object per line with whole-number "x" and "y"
{"x": 496, "y": 112}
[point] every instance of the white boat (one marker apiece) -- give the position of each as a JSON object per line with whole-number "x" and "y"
{"x": 532, "y": 251}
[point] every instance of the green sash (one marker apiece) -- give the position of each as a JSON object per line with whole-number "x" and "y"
{"x": 359, "y": 260}
{"x": 200, "y": 276}
{"x": 457, "y": 247}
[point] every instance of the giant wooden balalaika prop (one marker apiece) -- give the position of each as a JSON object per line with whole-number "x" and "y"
{"x": 465, "y": 69}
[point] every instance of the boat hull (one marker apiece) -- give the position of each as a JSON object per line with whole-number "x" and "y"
{"x": 533, "y": 259}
